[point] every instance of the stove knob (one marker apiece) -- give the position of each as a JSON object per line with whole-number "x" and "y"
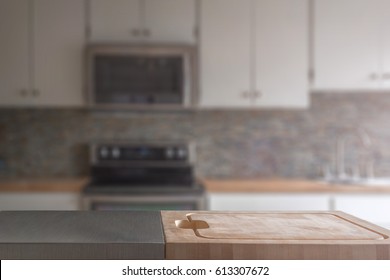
{"x": 181, "y": 153}
{"x": 116, "y": 153}
{"x": 103, "y": 152}
{"x": 169, "y": 153}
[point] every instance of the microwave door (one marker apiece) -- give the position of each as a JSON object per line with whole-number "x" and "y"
{"x": 139, "y": 80}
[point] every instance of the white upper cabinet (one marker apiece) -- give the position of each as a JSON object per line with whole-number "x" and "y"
{"x": 281, "y": 51}
{"x": 165, "y": 21}
{"x": 254, "y": 53}
{"x": 225, "y": 57}
{"x": 59, "y": 40}
{"x": 170, "y": 21}
{"x": 351, "y": 44}
{"x": 41, "y": 51}
{"x": 14, "y": 52}
{"x": 385, "y": 79}
{"x": 115, "y": 20}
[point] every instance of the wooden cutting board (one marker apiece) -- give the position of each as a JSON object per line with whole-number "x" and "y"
{"x": 263, "y": 235}
{"x": 286, "y": 226}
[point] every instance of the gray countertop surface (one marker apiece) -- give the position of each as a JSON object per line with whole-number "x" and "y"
{"x": 93, "y": 234}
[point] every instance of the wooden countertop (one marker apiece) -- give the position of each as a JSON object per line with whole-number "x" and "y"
{"x": 304, "y": 235}
{"x": 284, "y": 186}
{"x": 211, "y": 185}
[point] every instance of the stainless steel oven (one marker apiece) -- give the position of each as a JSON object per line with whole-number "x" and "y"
{"x": 144, "y": 202}
{"x": 143, "y": 176}
{"x": 141, "y": 76}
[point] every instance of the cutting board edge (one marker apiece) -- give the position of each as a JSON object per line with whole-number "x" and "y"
{"x": 218, "y": 251}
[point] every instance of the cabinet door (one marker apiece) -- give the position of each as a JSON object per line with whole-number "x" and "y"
{"x": 58, "y": 52}
{"x": 268, "y": 202}
{"x": 14, "y": 52}
{"x": 385, "y": 4}
{"x": 281, "y": 53}
{"x": 347, "y": 44}
{"x": 225, "y": 53}
{"x": 373, "y": 208}
{"x": 115, "y": 20}
{"x": 170, "y": 20}
{"x": 39, "y": 201}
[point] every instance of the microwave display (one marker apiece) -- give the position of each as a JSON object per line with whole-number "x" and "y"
{"x": 137, "y": 79}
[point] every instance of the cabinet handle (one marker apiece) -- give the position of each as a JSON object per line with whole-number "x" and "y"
{"x": 245, "y": 94}
{"x": 135, "y": 32}
{"x": 146, "y": 32}
{"x": 374, "y": 76}
{"x": 252, "y": 94}
{"x": 24, "y": 92}
{"x": 386, "y": 76}
{"x": 257, "y": 94}
{"x": 35, "y": 92}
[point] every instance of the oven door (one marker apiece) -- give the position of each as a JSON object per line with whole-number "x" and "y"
{"x": 144, "y": 202}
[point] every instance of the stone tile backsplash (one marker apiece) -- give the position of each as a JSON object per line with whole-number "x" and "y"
{"x": 230, "y": 143}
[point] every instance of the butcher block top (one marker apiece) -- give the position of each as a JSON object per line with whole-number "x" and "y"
{"x": 280, "y": 185}
{"x": 287, "y": 226}
{"x": 272, "y": 235}
{"x": 259, "y": 185}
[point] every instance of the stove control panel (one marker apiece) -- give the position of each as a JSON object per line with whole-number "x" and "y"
{"x": 143, "y": 152}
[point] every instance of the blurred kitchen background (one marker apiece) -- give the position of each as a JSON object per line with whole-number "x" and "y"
{"x": 286, "y": 101}
{"x": 230, "y": 143}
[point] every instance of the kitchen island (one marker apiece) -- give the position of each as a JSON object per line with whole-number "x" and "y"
{"x": 189, "y": 235}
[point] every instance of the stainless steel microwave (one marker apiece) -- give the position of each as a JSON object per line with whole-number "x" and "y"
{"x": 131, "y": 76}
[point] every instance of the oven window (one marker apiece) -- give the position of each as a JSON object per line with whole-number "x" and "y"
{"x": 139, "y": 79}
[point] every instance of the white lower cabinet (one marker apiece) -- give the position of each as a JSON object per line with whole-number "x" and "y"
{"x": 373, "y": 208}
{"x": 268, "y": 202}
{"x": 39, "y": 201}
